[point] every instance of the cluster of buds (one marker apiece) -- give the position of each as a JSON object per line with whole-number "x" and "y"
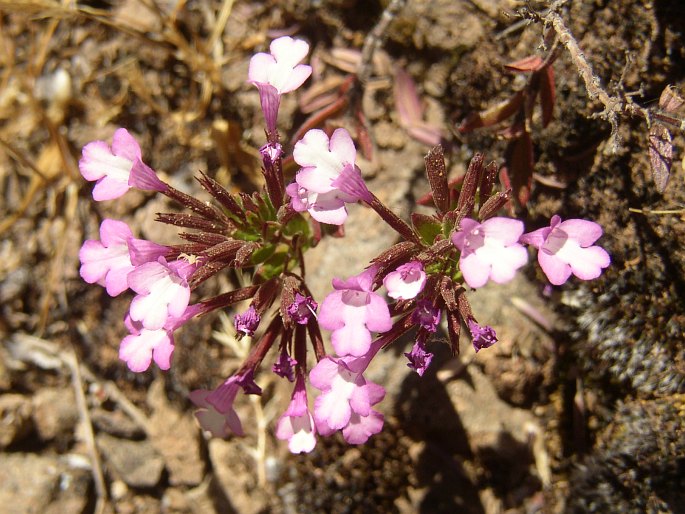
{"x": 427, "y": 274}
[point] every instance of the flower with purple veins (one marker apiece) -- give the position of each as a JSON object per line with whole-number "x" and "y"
{"x": 566, "y": 247}
{"x": 406, "y": 281}
{"x": 489, "y": 250}
{"x": 322, "y": 161}
{"x": 482, "y": 337}
{"x": 296, "y": 425}
{"x": 247, "y": 322}
{"x": 163, "y": 291}
{"x": 352, "y": 312}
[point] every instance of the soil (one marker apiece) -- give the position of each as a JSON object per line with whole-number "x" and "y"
{"x": 578, "y": 408}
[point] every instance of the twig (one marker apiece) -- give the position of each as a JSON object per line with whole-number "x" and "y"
{"x": 614, "y": 106}
{"x": 374, "y": 39}
{"x": 71, "y": 361}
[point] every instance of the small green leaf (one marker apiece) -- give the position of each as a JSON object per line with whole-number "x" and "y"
{"x": 427, "y": 227}
{"x": 262, "y": 254}
{"x": 297, "y": 225}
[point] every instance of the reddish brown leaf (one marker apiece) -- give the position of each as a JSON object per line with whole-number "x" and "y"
{"x": 530, "y": 63}
{"x": 660, "y": 155}
{"x": 437, "y": 178}
{"x": 521, "y": 162}
{"x": 547, "y": 94}
{"x": 493, "y": 115}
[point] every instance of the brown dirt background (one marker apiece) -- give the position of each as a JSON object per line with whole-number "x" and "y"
{"x": 584, "y": 414}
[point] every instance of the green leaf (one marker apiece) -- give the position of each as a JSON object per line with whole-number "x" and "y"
{"x": 262, "y": 254}
{"x": 427, "y": 227}
{"x": 297, "y": 225}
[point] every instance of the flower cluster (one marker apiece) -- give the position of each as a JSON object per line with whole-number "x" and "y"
{"x": 427, "y": 275}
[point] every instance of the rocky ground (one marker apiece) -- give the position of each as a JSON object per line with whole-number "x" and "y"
{"x": 578, "y": 408}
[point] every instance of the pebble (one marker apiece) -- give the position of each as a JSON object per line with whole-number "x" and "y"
{"x": 134, "y": 462}
{"x": 55, "y": 413}
{"x": 15, "y": 418}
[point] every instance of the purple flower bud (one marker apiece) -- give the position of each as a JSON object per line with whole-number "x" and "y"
{"x": 426, "y": 315}
{"x": 483, "y": 337}
{"x": 283, "y": 367}
{"x": 247, "y": 322}
{"x": 302, "y": 308}
{"x": 271, "y": 152}
{"x": 419, "y": 358}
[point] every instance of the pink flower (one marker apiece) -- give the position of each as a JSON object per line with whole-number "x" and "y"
{"x": 346, "y": 399}
{"x": 216, "y": 413}
{"x": 565, "y": 247}
{"x": 352, "y": 311}
{"x": 280, "y": 68}
{"x": 323, "y": 160}
{"x": 144, "y": 345}
{"x": 111, "y": 167}
{"x": 360, "y": 428}
{"x": 489, "y": 250}
{"x": 296, "y": 425}
{"x": 277, "y": 73}
{"x": 406, "y": 281}
{"x": 107, "y": 262}
{"x": 218, "y": 417}
{"x": 163, "y": 292}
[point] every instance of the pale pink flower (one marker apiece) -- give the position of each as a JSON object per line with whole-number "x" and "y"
{"x": 360, "y": 428}
{"x": 323, "y": 161}
{"x": 277, "y": 73}
{"x": 352, "y": 312}
{"x": 163, "y": 291}
{"x": 489, "y": 250}
{"x": 346, "y": 399}
{"x": 281, "y": 68}
{"x": 111, "y": 167}
{"x": 406, "y": 281}
{"x": 107, "y": 262}
{"x": 566, "y": 247}
{"x": 296, "y": 425}
{"x": 143, "y": 345}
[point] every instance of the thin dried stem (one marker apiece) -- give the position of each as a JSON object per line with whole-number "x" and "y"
{"x": 375, "y": 38}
